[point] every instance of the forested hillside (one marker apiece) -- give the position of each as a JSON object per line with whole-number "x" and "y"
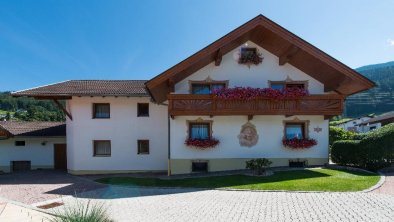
{"x": 28, "y": 109}
{"x": 377, "y": 100}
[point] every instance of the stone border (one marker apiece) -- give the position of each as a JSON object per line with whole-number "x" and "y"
{"x": 27, "y": 206}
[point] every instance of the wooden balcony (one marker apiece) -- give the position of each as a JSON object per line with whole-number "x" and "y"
{"x": 188, "y": 105}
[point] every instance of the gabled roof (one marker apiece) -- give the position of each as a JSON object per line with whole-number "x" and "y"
{"x": 35, "y": 129}
{"x": 287, "y": 46}
{"x": 87, "y": 88}
{"x": 384, "y": 118}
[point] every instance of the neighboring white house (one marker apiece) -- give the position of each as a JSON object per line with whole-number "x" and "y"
{"x": 376, "y": 122}
{"x": 180, "y": 123}
{"x": 32, "y": 145}
{"x": 353, "y": 124}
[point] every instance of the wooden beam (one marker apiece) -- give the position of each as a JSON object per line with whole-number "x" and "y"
{"x": 171, "y": 85}
{"x": 62, "y": 108}
{"x": 290, "y": 52}
{"x": 218, "y": 57}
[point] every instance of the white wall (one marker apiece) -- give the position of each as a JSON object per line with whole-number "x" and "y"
{"x": 34, "y": 151}
{"x": 269, "y": 128}
{"x": 124, "y": 128}
{"x": 255, "y": 76}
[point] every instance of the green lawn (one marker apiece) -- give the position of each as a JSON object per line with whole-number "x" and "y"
{"x": 300, "y": 180}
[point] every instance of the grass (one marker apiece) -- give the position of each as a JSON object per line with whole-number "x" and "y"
{"x": 298, "y": 180}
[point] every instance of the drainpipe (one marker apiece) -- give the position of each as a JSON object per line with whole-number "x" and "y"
{"x": 169, "y": 147}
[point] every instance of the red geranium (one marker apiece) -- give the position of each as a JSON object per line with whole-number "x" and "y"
{"x": 248, "y": 93}
{"x": 299, "y": 143}
{"x": 202, "y": 144}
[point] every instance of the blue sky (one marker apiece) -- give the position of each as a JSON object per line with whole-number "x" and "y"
{"x": 43, "y": 42}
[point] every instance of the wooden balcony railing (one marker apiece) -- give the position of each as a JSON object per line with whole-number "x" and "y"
{"x": 187, "y": 105}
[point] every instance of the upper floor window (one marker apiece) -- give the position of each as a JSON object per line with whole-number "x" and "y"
{"x": 283, "y": 85}
{"x": 206, "y": 88}
{"x": 143, "y": 109}
{"x": 101, "y": 110}
{"x": 200, "y": 130}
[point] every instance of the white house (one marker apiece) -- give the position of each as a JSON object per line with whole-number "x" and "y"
{"x": 258, "y": 92}
{"x": 353, "y": 124}
{"x": 376, "y": 122}
{"x": 32, "y": 145}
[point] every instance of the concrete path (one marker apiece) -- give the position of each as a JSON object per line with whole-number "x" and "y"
{"x": 10, "y": 212}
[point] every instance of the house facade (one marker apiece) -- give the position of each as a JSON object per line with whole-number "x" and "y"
{"x": 258, "y": 92}
{"x": 376, "y": 122}
{"x": 353, "y": 125}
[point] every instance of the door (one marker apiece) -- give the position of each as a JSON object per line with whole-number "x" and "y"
{"x": 60, "y": 153}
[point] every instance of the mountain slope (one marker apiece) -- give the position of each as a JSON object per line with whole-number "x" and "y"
{"x": 377, "y": 100}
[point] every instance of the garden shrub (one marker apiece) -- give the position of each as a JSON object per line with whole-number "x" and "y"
{"x": 337, "y": 133}
{"x": 345, "y": 152}
{"x": 258, "y": 165}
{"x": 374, "y": 151}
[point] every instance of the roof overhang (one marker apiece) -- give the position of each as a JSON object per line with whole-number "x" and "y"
{"x": 290, "y": 48}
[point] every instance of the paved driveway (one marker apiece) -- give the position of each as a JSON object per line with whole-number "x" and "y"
{"x": 137, "y": 204}
{"x": 41, "y": 185}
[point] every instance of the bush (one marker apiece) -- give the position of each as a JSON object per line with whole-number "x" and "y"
{"x": 258, "y": 165}
{"x": 337, "y": 133}
{"x": 374, "y": 151}
{"x": 378, "y": 147}
{"x": 82, "y": 213}
{"x": 345, "y": 152}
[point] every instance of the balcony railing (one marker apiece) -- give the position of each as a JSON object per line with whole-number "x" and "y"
{"x": 187, "y": 105}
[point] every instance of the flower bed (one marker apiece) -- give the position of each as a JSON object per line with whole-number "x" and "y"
{"x": 202, "y": 144}
{"x": 299, "y": 143}
{"x": 248, "y": 93}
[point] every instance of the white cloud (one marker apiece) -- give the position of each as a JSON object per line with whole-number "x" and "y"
{"x": 390, "y": 42}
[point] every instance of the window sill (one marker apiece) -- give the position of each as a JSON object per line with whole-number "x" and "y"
{"x": 142, "y": 153}
{"x": 142, "y": 115}
{"x": 101, "y": 155}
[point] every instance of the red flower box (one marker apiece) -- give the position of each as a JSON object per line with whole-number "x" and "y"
{"x": 248, "y": 93}
{"x": 250, "y": 58}
{"x": 299, "y": 143}
{"x": 202, "y": 144}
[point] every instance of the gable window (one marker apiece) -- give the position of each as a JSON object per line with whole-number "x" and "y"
{"x": 101, "y": 148}
{"x": 283, "y": 85}
{"x": 101, "y": 110}
{"x": 143, "y": 109}
{"x": 206, "y": 88}
{"x": 248, "y": 52}
{"x": 20, "y": 143}
{"x": 200, "y": 131}
{"x": 143, "y": 146}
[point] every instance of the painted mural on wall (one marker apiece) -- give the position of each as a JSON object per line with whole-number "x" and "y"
{"x": 248, "y": 136}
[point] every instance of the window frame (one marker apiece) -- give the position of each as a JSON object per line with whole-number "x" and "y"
{"x": 285, "y": 83}
{"x": 199, "y": 122}
{"x": 138, "y": 147}
{"x": 94, "y": 111}
{"x": 102, "y": 155}
{"x": 304, "y": 125}
{"x": 206, "y": 82}
{"x": 138, "y": 110}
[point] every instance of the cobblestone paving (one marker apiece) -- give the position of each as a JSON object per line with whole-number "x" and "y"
{"x": 40, "y": 185}
{"x": 136, "y": 204}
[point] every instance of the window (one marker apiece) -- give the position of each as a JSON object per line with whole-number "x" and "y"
{"x": 20, "y": 143}
{"x": 248, "y": 52}
{"x": 101, "y": 148}
{"x": 143, "y": 146}
{"x": 143, "y": 109}
{"x": 288, "y": 83}
{"x": 101, "y": 110}
{"x": 206, "y": 88}
{"x": 295, "y": 130}
{"x": 199, "y": 166}
{"x": 201, "y": 131}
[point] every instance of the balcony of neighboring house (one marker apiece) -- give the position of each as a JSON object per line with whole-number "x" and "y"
{"x": 212, "y": 105}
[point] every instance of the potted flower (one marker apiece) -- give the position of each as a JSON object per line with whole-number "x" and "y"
{"x": 258, "y": 166}
{"x": 296, "y": 143}
{"x": 202, "y": 143}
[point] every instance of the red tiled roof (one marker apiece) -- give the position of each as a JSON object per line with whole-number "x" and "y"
{"x": 88, "y": 88}
{"x": 20, "y": 128}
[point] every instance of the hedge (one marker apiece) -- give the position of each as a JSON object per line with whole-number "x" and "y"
{"x": 375, "y": 150}
{"x": 337, "y": 133}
